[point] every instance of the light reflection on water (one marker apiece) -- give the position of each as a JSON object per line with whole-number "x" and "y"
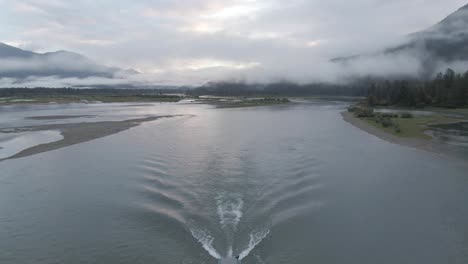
{"x": 13, "y": 143}
{"x": 271, "y": 184}
{"x": 17, "y": 115}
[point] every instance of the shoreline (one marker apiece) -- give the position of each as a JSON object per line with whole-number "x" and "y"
{"x": 58, "y": 117}
{"x": 76, "y": 133}
{"x": 421, "y": 144}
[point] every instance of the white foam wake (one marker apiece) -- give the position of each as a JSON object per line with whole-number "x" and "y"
{"x": 207, "y": 242}
{"x": 255, "y": 239}
{"x": 229, "y": 210}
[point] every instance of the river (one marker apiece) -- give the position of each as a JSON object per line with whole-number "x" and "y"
{"x": 280, "y": 184}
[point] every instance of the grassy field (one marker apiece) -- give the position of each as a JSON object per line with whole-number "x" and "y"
{"x": 238, "y": 102}
{"x": 401, "y": 122}
{"x": 413, "y": 127}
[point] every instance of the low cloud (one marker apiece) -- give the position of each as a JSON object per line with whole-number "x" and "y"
{"x": 192, "y": 42}
{"x": 48, "y": 66}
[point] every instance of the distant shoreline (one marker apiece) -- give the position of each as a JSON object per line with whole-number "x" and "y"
{"x": 76, "y": 133}
{"x": 420, "y": 144}
{"x": 57, "y": 117}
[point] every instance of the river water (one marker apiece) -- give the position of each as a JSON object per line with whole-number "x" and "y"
{"x": 282, "y": 184}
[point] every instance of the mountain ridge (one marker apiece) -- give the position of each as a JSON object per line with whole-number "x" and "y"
{"x": 23, "y": 63}
{"x": 445, "y": 42}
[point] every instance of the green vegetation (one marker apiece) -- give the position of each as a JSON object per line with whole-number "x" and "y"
{"x": 446, "y": 95}
{"x": 235, "y": 102}
{"x": 411, "y": 128}
{"x": 449, "y": 90}
{"x": 361, "y": 111}
{"x": 279, "y": 89}
{"x": 403, "y": 125}
{"x": 68, "y": 95}
{"x": 406, "y": 115}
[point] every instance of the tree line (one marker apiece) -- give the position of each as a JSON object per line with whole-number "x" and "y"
{"x": 449, "y": 89}
{"x": 278, "y": 89}
{"x": 28, "y": 92}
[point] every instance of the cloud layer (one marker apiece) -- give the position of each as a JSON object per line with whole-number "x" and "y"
{"x": 191, "y": 42}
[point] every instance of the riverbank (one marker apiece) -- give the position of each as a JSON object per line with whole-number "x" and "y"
{"x": 418, "y": 143}
{"x": 57, "y": 117}
{"x": 76, "y": 133}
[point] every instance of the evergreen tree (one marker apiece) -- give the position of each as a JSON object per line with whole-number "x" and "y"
{"x": 447, "y": 89}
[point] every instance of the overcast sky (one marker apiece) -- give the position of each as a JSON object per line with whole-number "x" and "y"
{"x": 193, "y": 41}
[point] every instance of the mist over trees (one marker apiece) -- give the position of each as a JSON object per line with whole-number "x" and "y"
{"x": 449, "y": 89}
{"x": 279, "y": 89}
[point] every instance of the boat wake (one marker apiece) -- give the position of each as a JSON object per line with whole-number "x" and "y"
{"x": 255, "y": 239}
{"x": 204, "y": 238}
{"x": 229, "y": 209}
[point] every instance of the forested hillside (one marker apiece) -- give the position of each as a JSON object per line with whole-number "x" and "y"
{"x": 449, "y": 89}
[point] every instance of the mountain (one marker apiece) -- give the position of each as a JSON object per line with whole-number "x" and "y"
{"x": 7, "y": 51}
{"x": 444, "y": 43}
{"x": 18, "y": 63}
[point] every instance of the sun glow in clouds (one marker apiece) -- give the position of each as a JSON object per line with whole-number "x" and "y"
{"x": 221, "y": 18}
{"x": 209, "y": 28}
{"x": 232, "y": 12}
{"x": 315, "y": 43}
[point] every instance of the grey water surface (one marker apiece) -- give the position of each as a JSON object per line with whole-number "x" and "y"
{"x": 282, "y": 184}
